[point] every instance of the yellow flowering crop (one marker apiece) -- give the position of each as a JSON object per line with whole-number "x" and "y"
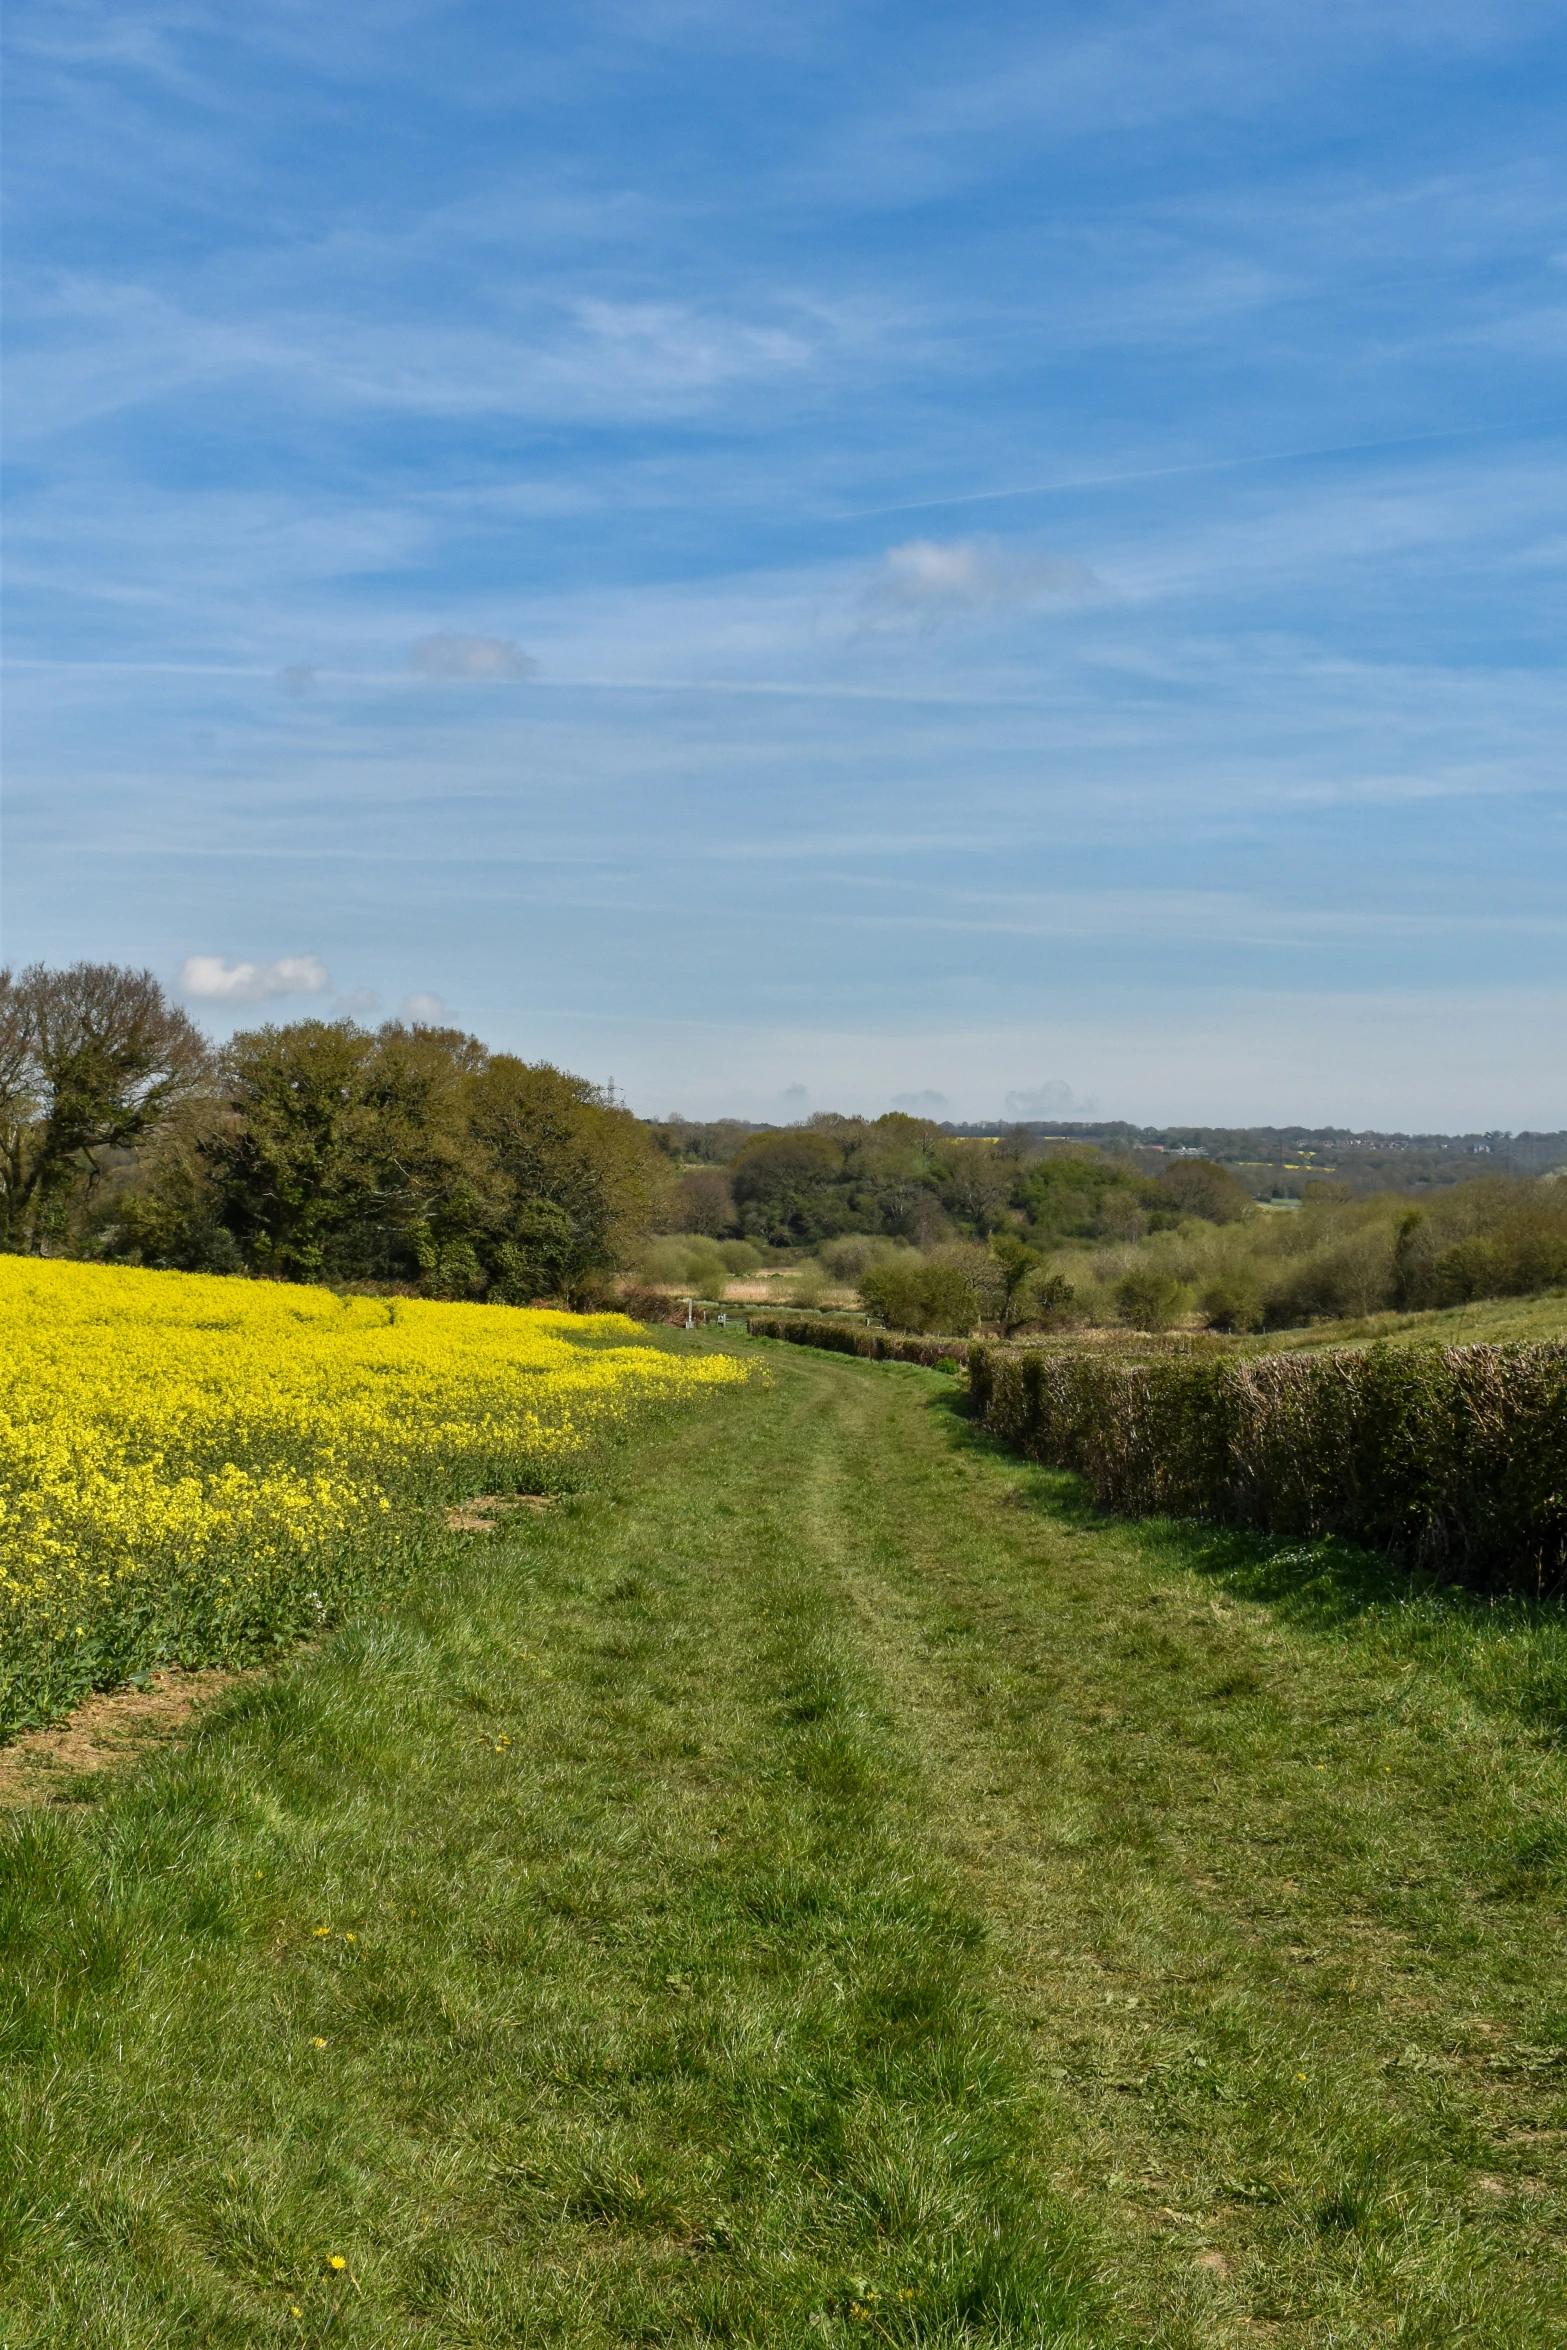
{"x": 189, "y": 1463}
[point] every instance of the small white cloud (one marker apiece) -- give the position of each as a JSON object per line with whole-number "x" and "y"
{"x": 922, "y": 1105}
{"x": 927, "y": 581}
{"x": 426, "y": 1011}
{"x": 1055, "y": 1099}
{"x": 478, "y": 659}
{"x": 298, "y": 681}
{"x": 252, "y": 983}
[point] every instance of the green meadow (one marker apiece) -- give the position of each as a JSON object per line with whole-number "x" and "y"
{"x": 818, "y": 1884}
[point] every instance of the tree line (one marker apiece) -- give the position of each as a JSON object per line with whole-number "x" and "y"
{"x": 413, "y": 1156}
{"x": 907, "y": 1178}
{"x": 940, "y": 1231}
{"x": 315, "y": 1151}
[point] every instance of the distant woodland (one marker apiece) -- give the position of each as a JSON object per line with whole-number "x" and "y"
{"x": 415, "y": 1158}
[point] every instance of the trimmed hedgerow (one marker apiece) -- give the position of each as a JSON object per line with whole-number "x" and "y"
{"x": 1455, "y": 1458}
{"x": 852, "y": 1338}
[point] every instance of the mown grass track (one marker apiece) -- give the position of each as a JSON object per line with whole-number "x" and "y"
{"x": 819, "y": 1885}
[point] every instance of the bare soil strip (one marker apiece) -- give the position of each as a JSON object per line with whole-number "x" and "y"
{"x": 115, "y": 1728}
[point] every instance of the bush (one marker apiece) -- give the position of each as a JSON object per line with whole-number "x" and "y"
{"x": 808, "y": 1283}
{"x": 848, "y": 1258}
{"x": 696, "y": 1263}
{"x": 1049, "y": 1300}
{"x": 1455, "y": 1458}
{"x": 1234, "y": 1301}
{"x": 891, "y": 1291}
{"x": 909, "y": 1295}
{"x": 1150, "y": 1299}
{"x": 1201, "y": 1187}
{"x": 1337, "y": 1280}
{"x": 1470, "y": 1268}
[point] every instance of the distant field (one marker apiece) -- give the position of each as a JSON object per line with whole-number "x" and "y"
{"x": 1495, "y": 1321}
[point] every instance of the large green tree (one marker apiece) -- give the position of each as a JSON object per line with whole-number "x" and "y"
{"x": 93, "y": 1060}
{"x": 325, "y": 1152}
{"x": 583, "y": 1180}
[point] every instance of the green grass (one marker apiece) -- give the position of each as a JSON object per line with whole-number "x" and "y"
{"x": 1492, "y": 1321}
{"x": 819, "y": 1884}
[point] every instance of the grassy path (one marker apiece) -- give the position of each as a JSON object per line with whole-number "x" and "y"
{"x": 816, "y": 1887}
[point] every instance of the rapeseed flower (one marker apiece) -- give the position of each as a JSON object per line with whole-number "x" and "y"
{"x": 189, "y": 1462}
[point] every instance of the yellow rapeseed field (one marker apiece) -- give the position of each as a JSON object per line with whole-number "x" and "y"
{"x": 192, "y": 1464}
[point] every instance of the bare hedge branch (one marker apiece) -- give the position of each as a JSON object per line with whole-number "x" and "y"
{"x": 1454, "y": 1458}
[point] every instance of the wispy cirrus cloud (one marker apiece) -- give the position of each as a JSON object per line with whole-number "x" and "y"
{"x": 101, "y": 345}
{"x": 927, "y": 581}
{"x": 472, "y": 659}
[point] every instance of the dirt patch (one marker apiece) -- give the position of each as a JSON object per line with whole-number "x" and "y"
{"x": 109, "y": 1732}
{"x": 481, "y": 1512}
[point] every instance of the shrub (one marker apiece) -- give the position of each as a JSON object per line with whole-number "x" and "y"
{"x": 693, "y": 1263}
{"x": 1455, "y": 1458}
{"x": 848, "y": 1258}
{"x": 909, "y": 1295}
{"x": 1048, "y": 1300}
{"x": 1234, "y": 1301}
{"x": 1339, "y": 1278}
{"x": 891, "y": 1291}
{"x": 1201, "y": 1187}
{"x": 808, "y": 1284}
{"x": 1150, "y": 1299}
{"x": 1470, "y": 1268}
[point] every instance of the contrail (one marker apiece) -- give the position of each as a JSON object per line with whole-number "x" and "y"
{"x": 1094, "y": 481}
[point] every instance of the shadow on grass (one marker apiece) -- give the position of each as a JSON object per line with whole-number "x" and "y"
{"x": 1507, "y": 1653}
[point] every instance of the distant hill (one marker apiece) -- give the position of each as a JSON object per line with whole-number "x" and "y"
{"x": 1279, "y": 1161}
{"x": 1283, "y": 1159}
{"x": 1274, "y": 1162}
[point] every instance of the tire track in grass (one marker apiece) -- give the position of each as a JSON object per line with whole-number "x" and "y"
{"x": 1243, "y": 1893}
{"x": 555, "y": 1960}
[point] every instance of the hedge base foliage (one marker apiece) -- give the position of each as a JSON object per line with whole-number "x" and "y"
{"x": 1454, "y": 1458}
{"x": 852, "y": 1338}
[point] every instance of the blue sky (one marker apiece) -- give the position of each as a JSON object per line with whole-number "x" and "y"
{"x": 805, "y": 556}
